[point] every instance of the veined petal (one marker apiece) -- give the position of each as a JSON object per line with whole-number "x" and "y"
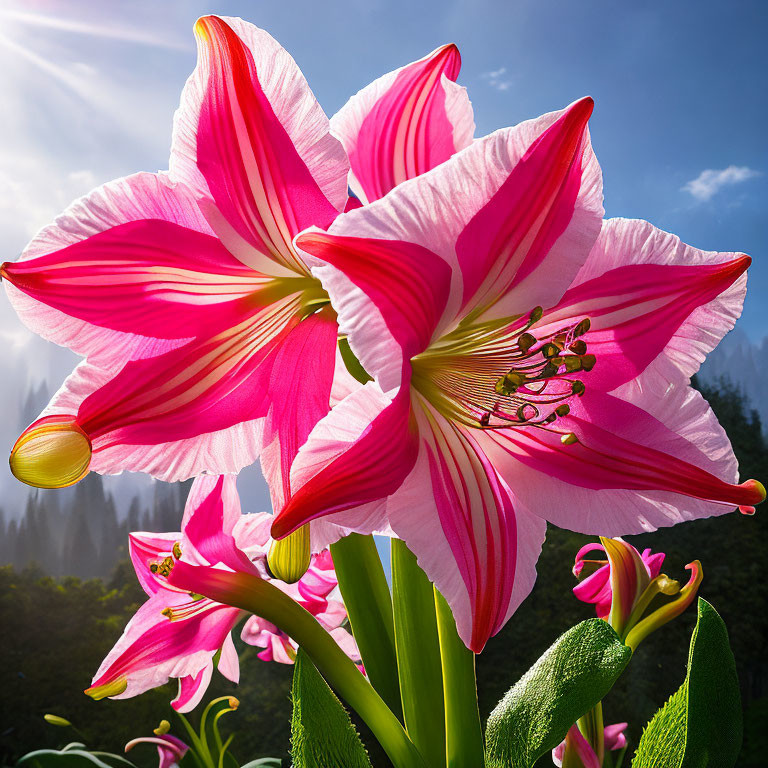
{"x": 629, "y": 578}
{"x": 300, "y": 393}
{"x": 359, "y": 453}
{"x": 647, "y": 294}
{"x": 192, "y": 688}
{"x": 145, "y": 549}
{"x": 389, "y": 296}
{"x": 150, "y": 277}
{"x": 250, "y": 135}
{"x": 461, "y": 521}
{"x": 405, "y": 123}
{"x": 530, "y": 238}
{"x": 649, "y": 475}
{"x": 198, "y": 408}
{"x": 212, "y": 511}
{"x": 133, "y": 204}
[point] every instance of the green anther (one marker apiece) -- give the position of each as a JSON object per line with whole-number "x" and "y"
{"x": 582, "y": 327}
{"x": 578, "y": 388}
{"x": 535, "y": 315}
{"x": 572, "y": 363}
{"x": 569, "y": 439}
{"x": 579, "y": 347}
{"x": 563, "y": 410}
{"x": 550, "y": 350}
{"x": 176, "y": 550}
{"x": 509, "y": 383}
{"x": 549, "y": 370}
{"x": 588, "y": 362}
{"x": 526, "y": 341}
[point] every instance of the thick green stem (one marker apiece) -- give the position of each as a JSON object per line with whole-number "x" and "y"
{"x": 464, "y": 734}
{"x": 255, "y": 595}
{"x": 366, "y": 596}
{"x": 418, "y": 655}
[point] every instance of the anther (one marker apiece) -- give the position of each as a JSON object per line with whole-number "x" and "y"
{"x": 588, "y": 362}
{"x": 579, "y": 347}
{"x": 550, "y": 350}
{"x": 569, "y": 438}
{"x": 176, "y": 550}
{"x": 563, "y": 410}
{"x": 582, "y": 327}
{"x": 578, "y": 388}
{"x": 509, "y": 383}
{"x": 572, "y": 363}
{"x": 525, "y": 341}
{"x": 535, "y": 315}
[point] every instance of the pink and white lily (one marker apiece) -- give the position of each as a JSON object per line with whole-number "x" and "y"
{"x": 530, "y": 363}
{"x": 170, "y": 748}
{"x": 623, "y": 586}
{"x": 176, "y": 634}
{"x": 202, "y": 324}
{"x": 579, "y": 747}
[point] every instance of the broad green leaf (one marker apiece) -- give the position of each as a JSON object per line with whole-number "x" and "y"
{"x": 575, "y": 673}
{"x": 322, "y": 735}
{"x": 700, "y": 726}
{"x": 72, "y": 758}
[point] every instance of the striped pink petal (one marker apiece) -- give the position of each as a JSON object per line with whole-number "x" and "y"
{"x": 250, "y": 136}
{"x": 405, "y": 123}
{"x": 647, "y": 294}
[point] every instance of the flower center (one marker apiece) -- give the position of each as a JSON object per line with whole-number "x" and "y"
{"x": 500, "y": 374}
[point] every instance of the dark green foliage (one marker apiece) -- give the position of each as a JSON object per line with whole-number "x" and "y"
{"x": 72, "y": 756}
{"x": 701, "y": 725}
{"x": 573, "y": 675}
{"x": 322, "y": 735}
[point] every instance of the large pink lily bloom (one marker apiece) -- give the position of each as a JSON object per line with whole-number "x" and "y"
{"x": 178, "y": 635}
{"x": 467, "y": 294}
{"x": 202, "y": 325}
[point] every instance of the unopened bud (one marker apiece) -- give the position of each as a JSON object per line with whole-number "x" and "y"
{"x": 289, "y": 558}
{"x": 56, "y": 720}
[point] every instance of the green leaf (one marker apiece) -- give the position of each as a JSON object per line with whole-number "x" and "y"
{"x": 72, "y": 758}
{"x": 575, "y": 673}
{"x": 264, "y": 762}
{"x": 701, "y": 724}
{"x": 322, "y": 735}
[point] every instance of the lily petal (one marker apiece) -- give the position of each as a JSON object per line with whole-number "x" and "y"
{"x": 201, "y": 407}
{"x": 192, "y": 688}
{"x": 646, "y": 293}
{"x": 133, "y": 205}
{"x": 461, "y": 521}
{"x": 360, "y": 453}
{"x": 250, "y": 134}
{"x": 529, "y": 239}
{"x": 405, "y": 123}
{"x": 649, "y": 475}
{"x": 389, "y": 296}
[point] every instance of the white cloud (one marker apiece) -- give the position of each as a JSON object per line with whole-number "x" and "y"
{"x": 709, "y": 182}
{"x": 496, "y": 79}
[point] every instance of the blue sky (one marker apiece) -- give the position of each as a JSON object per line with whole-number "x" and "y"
{"x": 89, "y": 89}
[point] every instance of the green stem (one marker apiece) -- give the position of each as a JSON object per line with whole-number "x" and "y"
{"x": 366, "y": 596}
{"x": 201, "y": 755}
{"x": 251, "y": 593}
{"x": 591, "y": 726}
{"x": 418, "y": 655}
{"x": 464, "y": 734}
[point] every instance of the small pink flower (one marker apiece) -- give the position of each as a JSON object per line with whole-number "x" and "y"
{"x": 575, "y": 741}
{"x": 623, "y": 586}
{"x": 170, "y": 749}
{"x": 176, "y": 634}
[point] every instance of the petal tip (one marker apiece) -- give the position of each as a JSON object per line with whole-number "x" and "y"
{"x": 53, "y": 452}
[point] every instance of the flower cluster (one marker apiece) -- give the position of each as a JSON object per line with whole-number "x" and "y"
{"x": 455, "y": 354}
